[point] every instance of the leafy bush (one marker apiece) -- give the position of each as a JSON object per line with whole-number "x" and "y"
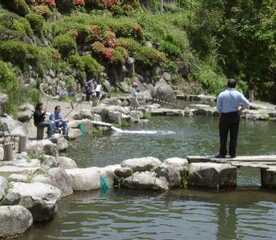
{"x": 42, "y": 10}
{"x": 8, "y": 80}
{"x": 119, "y": 55}
{"x": 65, "y": 44}
{"x": 170, "y": 49}
{"x": 8, "y": 83}
{"x": 86, "y": 63}
{"x": 22, "y": 54}
{"x": 210, "y": 80}
{"x": 36, "y": 22}
{"x": 18, "y": 6}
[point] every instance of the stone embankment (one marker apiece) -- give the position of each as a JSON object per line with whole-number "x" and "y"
{"x": 30, "y": 188}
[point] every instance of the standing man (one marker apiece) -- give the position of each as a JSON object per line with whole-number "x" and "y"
{"x": 230, "y": 103}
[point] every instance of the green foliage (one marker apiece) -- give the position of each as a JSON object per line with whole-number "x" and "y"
{"x": 18, "y": 6}
{"x": 119, "y": 55}
{"x": 210, "y": 80}
{"x": 15, "y": 25}
{"x": 9, "y": 84}
{"x": 22, "y": 54}
{"x": 86, "y": 63}
{"x": 170, "y": 49}
{"x": 36, "y": 21}
{"x": 148, "y": 56}
{"x": 65, "y": 44}
{"x": 8, "y": 80}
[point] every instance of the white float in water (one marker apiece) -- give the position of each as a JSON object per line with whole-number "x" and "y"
{"x": 142, "y": 132}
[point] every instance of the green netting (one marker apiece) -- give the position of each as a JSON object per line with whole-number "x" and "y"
{"x": 82, "y": 128}
{"x": 104, "y": 186}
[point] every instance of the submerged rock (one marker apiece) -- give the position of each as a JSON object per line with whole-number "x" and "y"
{"x": 141, "y": 164}
{"x": 14, "y": 220}
{"x": 145, "y": 181}
{"x": 212, "y": 175}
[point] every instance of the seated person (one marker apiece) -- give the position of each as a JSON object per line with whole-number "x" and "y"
{"x": 57, "y": 119}
{"x": 39, "y": 119}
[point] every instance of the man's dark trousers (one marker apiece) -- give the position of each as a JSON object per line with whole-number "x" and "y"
{"x": 229, "y": 122}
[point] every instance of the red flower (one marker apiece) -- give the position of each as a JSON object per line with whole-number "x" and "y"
{"x": 50, "y": 2}
{"x": 107, "y": 54}
{"x": 79, "y": 2}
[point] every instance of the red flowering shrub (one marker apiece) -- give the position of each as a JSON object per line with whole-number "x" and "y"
{"x": 107, "y": 53}
{"x": 110, "y": 39}
{"x": 102, "y": 51}
{"x": 50, "y": 2}
{"x": 109, "y": 3}
{"x": 79, "y": 2}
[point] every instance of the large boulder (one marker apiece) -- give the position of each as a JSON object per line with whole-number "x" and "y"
{"x": 40, "y": 198}
{"x": 83, "y": 114}
{"x": 9, "y": 126}
{"x": 145, "y": 181}
{"x": 141, "y": 164}
{"x": 164, "y": 91}
{"x": 74, "y": 133}
{"x": 175, "y": 170}
{"x": 66, "y": 163}
{"x": 85, "y": 179}
{"x": 56, "y": 177}
{"x": 25, "y": 112}
{"x": 123, "y": 172}
{"x": 212, "y": 175}
{"x": 44, "y": 146}
{"x": 14, "y": 220}
{"x": 3, "y": 187}
{"x": 61, "y": 143}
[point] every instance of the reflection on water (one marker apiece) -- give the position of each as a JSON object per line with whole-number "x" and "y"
{"x": 248, "y": 213}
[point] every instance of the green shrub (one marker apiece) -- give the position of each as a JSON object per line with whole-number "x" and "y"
{"x": 210, "y": 80}
{"x": 13, "y": 22}
{"x": 170, "y": 49}
{"x": 8, "y": 84}
{"x": 86, "y": 63}
{"x": 65, "y": 44}
{"x": 150, "y": 56}
{"x": 22, "y": 54}
{"x": 23, "y": 26}
{"x": 36, "y": 21}
{"x": 18, "y": 6}
{"x": 8, "y": 80}
{"x": 119, "y": 55}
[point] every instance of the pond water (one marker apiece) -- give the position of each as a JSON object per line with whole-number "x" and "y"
{"x": 248, "y": 213}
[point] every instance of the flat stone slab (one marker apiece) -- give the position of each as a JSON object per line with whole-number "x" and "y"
{"x": 167, "y": 112}
{"x": 258, "y": 158}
